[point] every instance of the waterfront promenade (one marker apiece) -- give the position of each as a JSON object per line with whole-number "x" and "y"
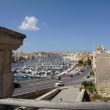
{"x": 67, "y": 94}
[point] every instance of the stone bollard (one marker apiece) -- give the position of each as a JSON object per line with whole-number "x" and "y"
{"x": 9, "y": 40}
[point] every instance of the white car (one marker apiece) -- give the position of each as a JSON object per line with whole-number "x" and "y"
{"x": 59, "y": 83}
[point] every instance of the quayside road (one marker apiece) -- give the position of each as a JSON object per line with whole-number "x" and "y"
{"x": 75, "y": 80}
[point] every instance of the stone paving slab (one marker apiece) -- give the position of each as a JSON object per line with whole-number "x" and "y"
{"x": 67, "y": 94}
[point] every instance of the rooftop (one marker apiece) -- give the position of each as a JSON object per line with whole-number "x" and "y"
{"x": 12, "y": 33}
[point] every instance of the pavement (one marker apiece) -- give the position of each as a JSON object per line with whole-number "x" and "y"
{"x": 67, "y": 94}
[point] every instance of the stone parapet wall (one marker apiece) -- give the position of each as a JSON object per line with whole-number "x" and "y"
{"x": 103, "y": 74}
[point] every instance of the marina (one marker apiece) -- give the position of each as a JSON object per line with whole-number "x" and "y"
{"x": 42, "y": 68}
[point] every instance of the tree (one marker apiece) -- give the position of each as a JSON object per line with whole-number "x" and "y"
{"x": 92, "y": 73}
{"x": 80, "y": 62}
{"x": 88, "y": 62}
{"x": 89, "y": 86}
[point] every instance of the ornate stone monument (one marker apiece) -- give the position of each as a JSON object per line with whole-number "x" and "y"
{"x": 9, "y": 40}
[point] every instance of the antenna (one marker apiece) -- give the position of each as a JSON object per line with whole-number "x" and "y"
{"x": 93, "y": 45}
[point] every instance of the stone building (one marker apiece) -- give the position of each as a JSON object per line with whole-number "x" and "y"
{"x": 99, "y": 50}
{"x": 103, "y": 74}
{"x": 85, "y": 56}
{"x": 9, "y": 40}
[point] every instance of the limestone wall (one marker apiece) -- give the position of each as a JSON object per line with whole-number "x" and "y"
{"x": 103, "y": 74}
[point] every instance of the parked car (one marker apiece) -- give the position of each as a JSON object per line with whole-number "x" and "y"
{"x": 59, "y": 83}
{"x": 16, "y": 84}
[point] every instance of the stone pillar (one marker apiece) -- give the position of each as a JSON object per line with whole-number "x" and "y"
{"x": 9, "y": 40}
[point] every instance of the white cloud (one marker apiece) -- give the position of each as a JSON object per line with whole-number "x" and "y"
{"x": 30, "y": 23}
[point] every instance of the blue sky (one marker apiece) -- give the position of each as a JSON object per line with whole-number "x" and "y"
{"x": 58, "y": 25}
